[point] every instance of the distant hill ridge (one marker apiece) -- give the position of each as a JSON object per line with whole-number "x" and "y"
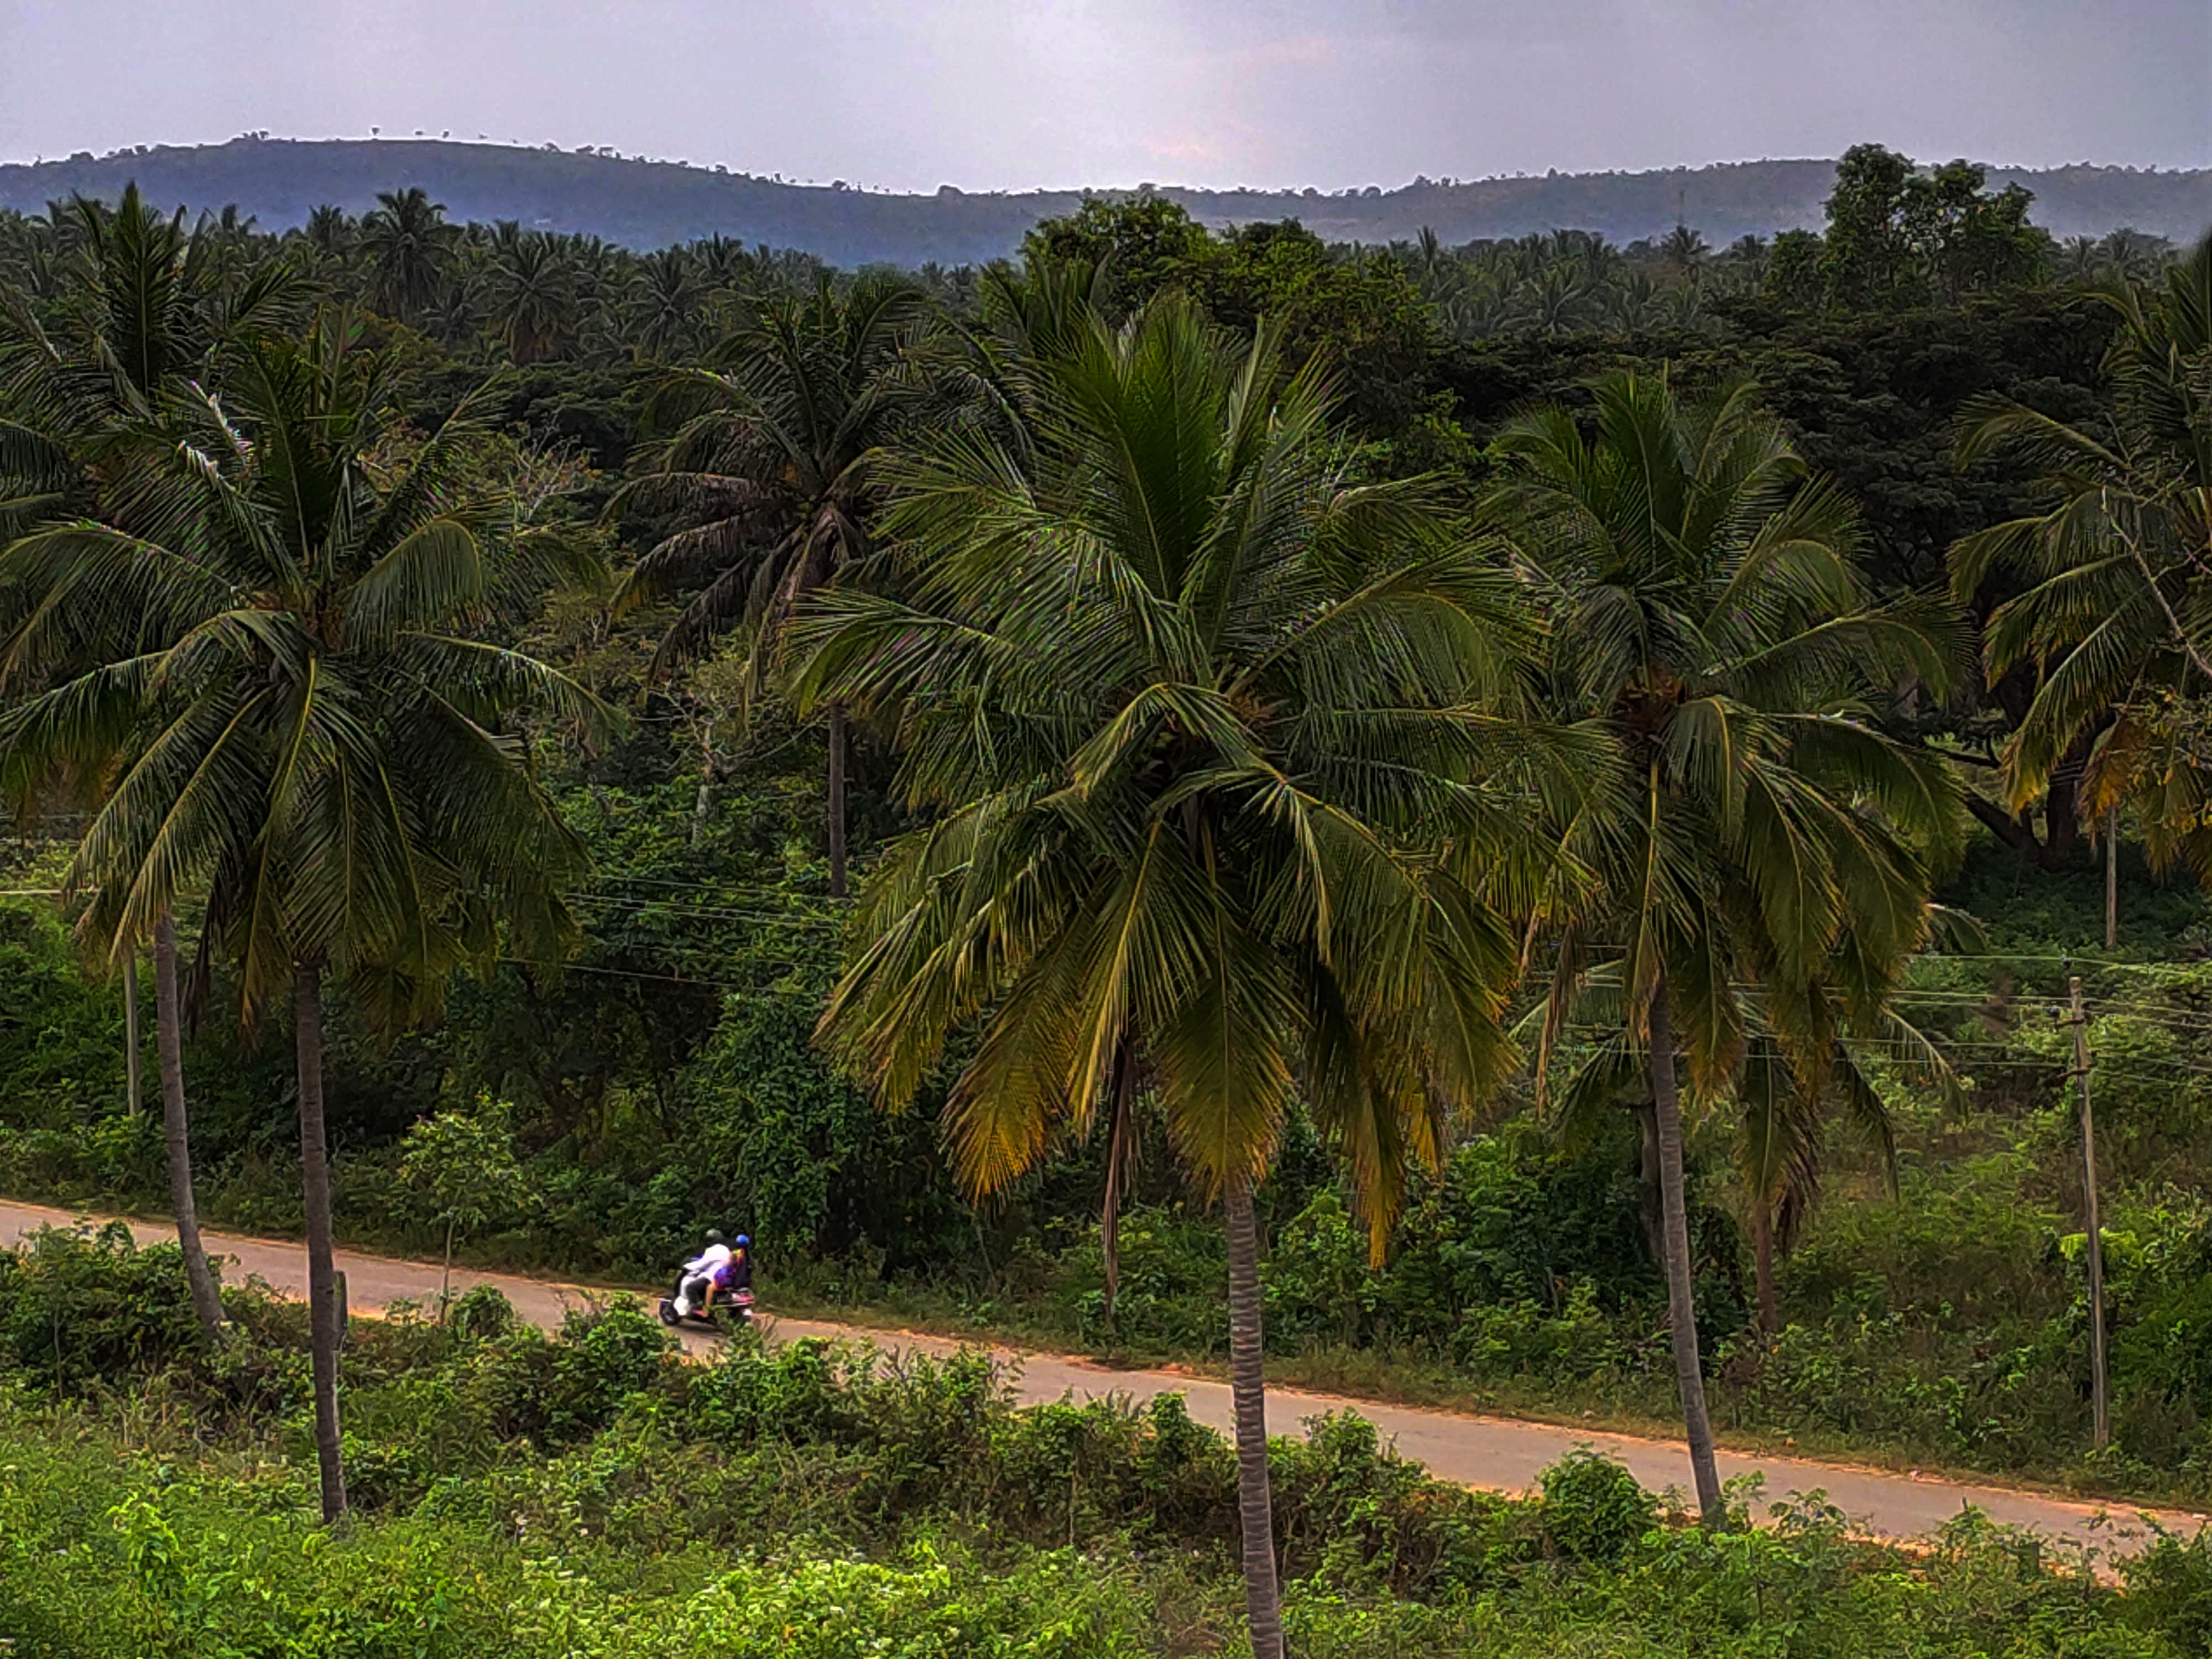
{"x": 645, "y": 205}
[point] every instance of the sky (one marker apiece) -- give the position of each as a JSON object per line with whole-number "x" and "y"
{"x": 908, "y": 94}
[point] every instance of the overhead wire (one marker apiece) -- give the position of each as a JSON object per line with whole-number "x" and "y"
{"x": 2180, "y": 1021}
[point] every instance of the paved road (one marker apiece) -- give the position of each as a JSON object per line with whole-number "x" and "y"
{"x": 1496, "y": 1453}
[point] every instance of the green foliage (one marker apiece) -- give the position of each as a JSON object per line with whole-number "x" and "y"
{"x": 818, "y": 1500}
{"x": 61, "y": 1037}
{"x": 2170, "y": 1589}
{"x": 803, "y": 1162}
{"x": 462, "y": 1166}
{"x": 670, "y": 1081}
{"x": 559, "y": 1390}
{"x": 1359, "y": 317}
{"x": 1897, "y": 236}
{"x": 1141, "y": 244}
{"x": 94, "y": 1308}
{"x": 1593, "y": 1510}
{"x": 101, "y": 1556}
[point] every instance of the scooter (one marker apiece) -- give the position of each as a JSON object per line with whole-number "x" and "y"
{"x": 738, "y": 1305}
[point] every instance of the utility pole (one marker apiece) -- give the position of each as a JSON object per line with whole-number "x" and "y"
{"x": 132, "y": 1069}
{"x": 2112, "y": 879}
{"x": 2100, "y": 1385}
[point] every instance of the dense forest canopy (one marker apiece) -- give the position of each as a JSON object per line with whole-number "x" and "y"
{"x": 1508, "y": 811}
{"x": 642, "y": 203}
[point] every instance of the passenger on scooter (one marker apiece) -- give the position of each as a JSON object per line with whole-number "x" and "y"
{"x": 733, "y": 1272}
{"x": 698, "y": 1277}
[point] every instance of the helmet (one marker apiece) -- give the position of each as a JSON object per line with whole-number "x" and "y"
{"x": 715, "y": 1236}
{"x": 742, "y": 1242}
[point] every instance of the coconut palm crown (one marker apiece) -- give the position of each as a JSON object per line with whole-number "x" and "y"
{"x": 284, "y": 653}
{"x": 2112, "y": 578}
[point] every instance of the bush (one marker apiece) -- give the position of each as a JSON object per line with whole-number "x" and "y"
{"x": 556, "y": 1391}
{"x": 2170, "y": 1588}
{"x": 90, "y": 1304}
{"x": 1593, "y": 1510}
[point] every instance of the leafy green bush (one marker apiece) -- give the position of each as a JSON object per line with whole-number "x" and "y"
{"x": 2170, "y": 1588}
{"x": 1593, "y": 1510}
{"x": 94, "y": 1305}
{"x": 560, "y": 1390}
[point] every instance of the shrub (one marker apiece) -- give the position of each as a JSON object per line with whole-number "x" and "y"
{"x": 93, "y": 1305}
{"x": 561, "y": 1390}
{"x": 2170, "y": 1588}
{"x": 1593, "y": 1510}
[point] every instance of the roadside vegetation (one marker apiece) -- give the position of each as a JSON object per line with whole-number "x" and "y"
{"x": 584, "y": 1493}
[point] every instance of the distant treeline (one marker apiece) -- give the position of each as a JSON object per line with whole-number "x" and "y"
{"x": 642, "y": 203}
{"x": 1894, "y": 236}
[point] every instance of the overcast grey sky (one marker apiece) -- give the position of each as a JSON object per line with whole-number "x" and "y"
{"x": 988, "y": 94}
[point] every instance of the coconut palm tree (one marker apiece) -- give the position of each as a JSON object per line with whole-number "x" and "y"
{"x": 1560, "y": 300}
{"x": 767, "y": 462}
{"x": 78, "y": 400}
{"x": 1683, "y": 251}
{"x": 330, "y": 230}
{"x": 86, "y": 415}
{"x": 1761, "y": 862}
{"x": 1219, "y": 745}
{"x": 662, "y": 301}
{"x": 1747, "y": 260}
{"x": 1632, "y": 302}
{"x": 304, "y": 725}
{"x": 530, "y": 295}
{"x": 2117, "y": 615}
{"x": 408, "y": 247}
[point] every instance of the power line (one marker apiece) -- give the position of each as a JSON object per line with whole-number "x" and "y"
{"x": 703, "y": 913}
{"x": 625, "y": 973}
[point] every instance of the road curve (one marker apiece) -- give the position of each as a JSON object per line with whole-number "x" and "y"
{"x": 1495, "y": 1454}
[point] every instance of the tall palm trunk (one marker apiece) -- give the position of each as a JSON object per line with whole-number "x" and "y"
{"x": 134, "y": 1044}
{"x": 1247, "y": 1386}
{"x": 1681, "y": 1310}
{"x": 169, "y": 1045}
{"x": 1120, "y": 1155}
{"x": 710, "y": 772}
{"x": 446, "y": 1277}
{"x": 1762, "y": 1248}
{"x": 836, "y": 800}
{"x": 322, "y": 1274}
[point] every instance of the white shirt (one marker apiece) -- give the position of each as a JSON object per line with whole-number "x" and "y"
{"x": 707, "y": 1259}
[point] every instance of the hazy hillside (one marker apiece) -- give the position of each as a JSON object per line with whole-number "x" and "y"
{"x": 645, "y": 205}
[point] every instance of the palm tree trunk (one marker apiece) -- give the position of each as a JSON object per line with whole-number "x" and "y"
{"x": 1681, "y": 1310}
{"x": 836, "y": 800}
{"x": 1120, "y": 1153}
{"x": 169, "y": 1046}
{"x": 1762, "y": 1246}
{"x": 322, "y": 1274}
{"x": 701, "y": 804}
{"x": 1248, "y": 1384}
{"x": 1651, "y": 1210}
{"x": 710, "y": 772}
{"x": 134, "y": 1044}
